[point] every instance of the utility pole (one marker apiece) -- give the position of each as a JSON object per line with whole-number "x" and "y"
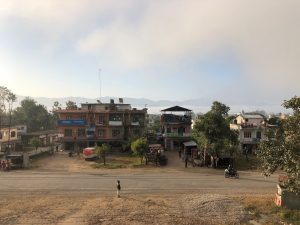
{"x": 100, "y": 84}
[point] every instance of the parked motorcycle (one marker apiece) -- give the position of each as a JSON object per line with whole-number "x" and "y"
{"x": 231, "y": 173}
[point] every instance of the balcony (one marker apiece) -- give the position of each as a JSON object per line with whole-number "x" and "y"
{"x": 115, "y": 123}
{"x": 171, "y": 118}
{"x": 250, "y": 140}
{"x": 135, "y": 123}
{"x": 174, "y": 134}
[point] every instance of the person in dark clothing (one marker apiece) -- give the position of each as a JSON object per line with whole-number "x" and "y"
{"x": 118, "y": 188}
{"x": 186, "y": 160}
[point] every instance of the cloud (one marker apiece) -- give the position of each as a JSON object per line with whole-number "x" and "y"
{"x": 262, "y": 34}
{"x": 132, "y": 35}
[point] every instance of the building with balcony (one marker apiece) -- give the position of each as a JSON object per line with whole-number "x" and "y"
{"x": 97, "y": 123}
{"x": 10, "y": 137}
{"x": 251, "y": 129}
{"x": 176, "y": 126}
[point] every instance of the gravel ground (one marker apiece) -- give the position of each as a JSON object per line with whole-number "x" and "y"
{"x": 65, "y": 209}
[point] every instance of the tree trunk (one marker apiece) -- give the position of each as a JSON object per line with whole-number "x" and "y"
{"x": 142, "y": 159}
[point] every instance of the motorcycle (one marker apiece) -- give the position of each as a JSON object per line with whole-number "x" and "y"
{"x": 232, "y": 173}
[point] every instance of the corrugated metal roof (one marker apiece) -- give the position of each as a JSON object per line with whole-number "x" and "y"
{"x": 252, "y": 116}
{"x": 176, "y": 109}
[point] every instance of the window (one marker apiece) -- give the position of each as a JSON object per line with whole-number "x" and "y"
{"x": 83, "y": 117}
{"x": 68, "y": 117}
{"x": 0, "y": 135}
{"x": 81, "y": 132}
{"x": 68, "y": 133}
{"x": 116, "y": 133}
{"x": 258, "y": 134}
{"x": 247, "y": 134}
{"x": 168, "y": 130}
{"x": 13, "y": 134}
{"x": 102, "y": 119}
{"x": 101, "y": 133}
{"x": 115, "y": 117}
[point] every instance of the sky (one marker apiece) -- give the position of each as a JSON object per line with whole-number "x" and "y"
{"x": 237, "y": 52}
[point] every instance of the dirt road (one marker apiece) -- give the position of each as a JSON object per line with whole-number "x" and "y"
{"x": 63, "y": 190}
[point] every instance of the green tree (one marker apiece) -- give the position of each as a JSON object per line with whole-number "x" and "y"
{"x": 34, "y": 115}
{"x": 281, "y": 150}
{"x": 70, "y": 105}
{"x": 35, "y": 142}
{"x": 140, "y": 147}
{"x": 102, "y": 151}
{"x": 7, "y": 98}
{"x": 212, "y": 132}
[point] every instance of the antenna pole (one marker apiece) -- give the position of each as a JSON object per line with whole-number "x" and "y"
{"x": 100, "y": 83}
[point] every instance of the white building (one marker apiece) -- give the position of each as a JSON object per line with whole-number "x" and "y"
{"x": 251, "y": 128}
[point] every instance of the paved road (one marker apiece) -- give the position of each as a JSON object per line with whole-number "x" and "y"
{"x": 136, "y": 182}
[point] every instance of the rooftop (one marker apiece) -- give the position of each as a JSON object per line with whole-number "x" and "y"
{"x": 176, "y": 109}
{"x": 252, "y": 116}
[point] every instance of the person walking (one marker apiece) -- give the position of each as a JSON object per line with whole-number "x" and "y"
{"x": 186, "y": 161}
{"x": 118, "y": 188}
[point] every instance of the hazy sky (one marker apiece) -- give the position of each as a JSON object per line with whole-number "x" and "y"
{"x": 237, "y": 52}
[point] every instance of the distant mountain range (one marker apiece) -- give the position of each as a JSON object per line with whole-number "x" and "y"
{"x": 197, "y": 105}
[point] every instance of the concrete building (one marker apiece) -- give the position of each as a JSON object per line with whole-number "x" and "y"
{"x": 251, "y": 128}
{"x": 176, "y": 126}
{"x": 11, "y": 137}
{"x": 97, "y": 123}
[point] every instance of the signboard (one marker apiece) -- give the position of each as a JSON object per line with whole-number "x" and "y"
{"x": 71, "y": 122}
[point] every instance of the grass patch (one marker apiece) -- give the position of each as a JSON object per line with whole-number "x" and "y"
{"x": 253, "y": 163}
{"x": 118, "y": 162}
{"x": 264, "y": 210}
{"x": 108, "y": 166}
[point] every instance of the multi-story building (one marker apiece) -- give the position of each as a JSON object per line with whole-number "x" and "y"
{"x": 176, "y": 126}
{"x": 251, "y": 128}
{"x": 96, "y": 123}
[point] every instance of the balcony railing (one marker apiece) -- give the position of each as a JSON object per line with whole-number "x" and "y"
{"x": 115, "y": 123}
{"x": 250, "y": 140}
{"x": 177, "y": 134}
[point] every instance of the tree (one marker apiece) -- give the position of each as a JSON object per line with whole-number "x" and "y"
{"x": 35, "y": 142}
{"x": 71, "y": 105}
{"x": 281, "y": 150}
{"x": 212, "y": 132}
{"x": 101, "y": 152}
{"x": 7, "y": 98}
{"x": 140, "y": 147}
{"x": 34, "y": 115}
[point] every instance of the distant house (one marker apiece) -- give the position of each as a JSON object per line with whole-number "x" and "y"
{"x": 46, "y": 137}
{"x": 176, "y": 127}
{"x": 251, "y": 128}
{"x": 11, "y": 137}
